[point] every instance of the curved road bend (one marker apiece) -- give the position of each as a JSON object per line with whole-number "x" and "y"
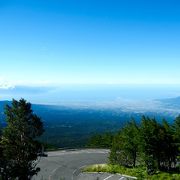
{"x": 66, "y": 165}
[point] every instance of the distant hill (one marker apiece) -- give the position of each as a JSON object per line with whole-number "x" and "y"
{"x": 171, "y": 102}
{"x": 2, "y": 106}
{"x": 72, "y": 127}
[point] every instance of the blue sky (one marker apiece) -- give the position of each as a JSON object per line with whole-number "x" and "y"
{"x": 89, "y": 42}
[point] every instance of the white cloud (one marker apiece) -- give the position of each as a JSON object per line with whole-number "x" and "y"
{"x": 4, "y": 84}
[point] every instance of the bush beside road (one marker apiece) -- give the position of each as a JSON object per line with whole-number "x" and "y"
{"x": 139, "y": 172}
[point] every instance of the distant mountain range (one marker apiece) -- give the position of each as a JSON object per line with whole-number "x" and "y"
{"x": 71, "y": 126}
{"x": 173, "y": 103}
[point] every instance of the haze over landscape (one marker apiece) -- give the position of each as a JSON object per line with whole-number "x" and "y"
{"x": 128, "y": 97}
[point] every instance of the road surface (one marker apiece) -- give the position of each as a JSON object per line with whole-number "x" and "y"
{"x": 66, "y": 165}
{"x": 102, "y": 176}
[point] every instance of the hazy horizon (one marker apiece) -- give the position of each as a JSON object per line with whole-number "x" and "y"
{"x": 67, "y": 94}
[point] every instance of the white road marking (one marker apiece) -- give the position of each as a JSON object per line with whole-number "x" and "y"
{"x": 121, "y": 178}
{"x": 126, "y": 176}
{"x": 77, "y": 170}
{"x": 54, "y": 170}
{"x": 108, "y": 177}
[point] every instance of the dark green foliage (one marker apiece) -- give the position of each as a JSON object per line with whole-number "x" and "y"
{"x": 130, "y": 139}
{"x": 3, "y": 161}
{"x": 151, "y": 143}
{"x": 158, "y": 143}
{"x": 19, "y": 145}
{"x": 101, "y": 140}
{"x": 113, "y": 156}
{"x": 114, "y": 153}
{"x": 177, "y": 129}
{"x": 67, "y": 127}
{"x": 126, "y": 145}
{"x": 49, "y": 147}
{"x": 72, "y": 128}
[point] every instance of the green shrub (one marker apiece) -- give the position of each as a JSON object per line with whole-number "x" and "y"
{"x": 139, "y": 172}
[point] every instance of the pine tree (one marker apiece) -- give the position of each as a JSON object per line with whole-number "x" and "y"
{"x": 150, "y": 143}
{"x": 114, "y": 151}
{"x": 177, "y": 134}
{"x": 19, "y": 140}
{"x": 177, "y": 128}
{"x": 130, "y": 137}
{"x": 125, "y": 146}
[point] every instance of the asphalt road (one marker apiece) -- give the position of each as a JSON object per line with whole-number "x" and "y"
{"x": 66, "y": 165}
{"x": 101, "y": 176}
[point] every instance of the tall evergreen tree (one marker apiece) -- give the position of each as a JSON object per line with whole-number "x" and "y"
{"x": 156, "y": 145}
{"x": 159, "y": 145}
{"x": 150, "y": 143}
{"x": 177, "y": 134}
{"x": 130, "y": 137}
{"x": 125, "y": 147}
{"x": 169, "y": 147}
{"x": 3, "y": 163}
{"x": 115, "y": 150}
{"x": 19, "y": 140}
{"x": 177, "y": 129}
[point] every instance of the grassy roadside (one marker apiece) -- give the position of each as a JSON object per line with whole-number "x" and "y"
{"x": 139, "y": 172}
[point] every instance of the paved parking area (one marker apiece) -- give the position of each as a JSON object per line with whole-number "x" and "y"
{"x": 67, "y": 164}
{"x": 101, "y": 176}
